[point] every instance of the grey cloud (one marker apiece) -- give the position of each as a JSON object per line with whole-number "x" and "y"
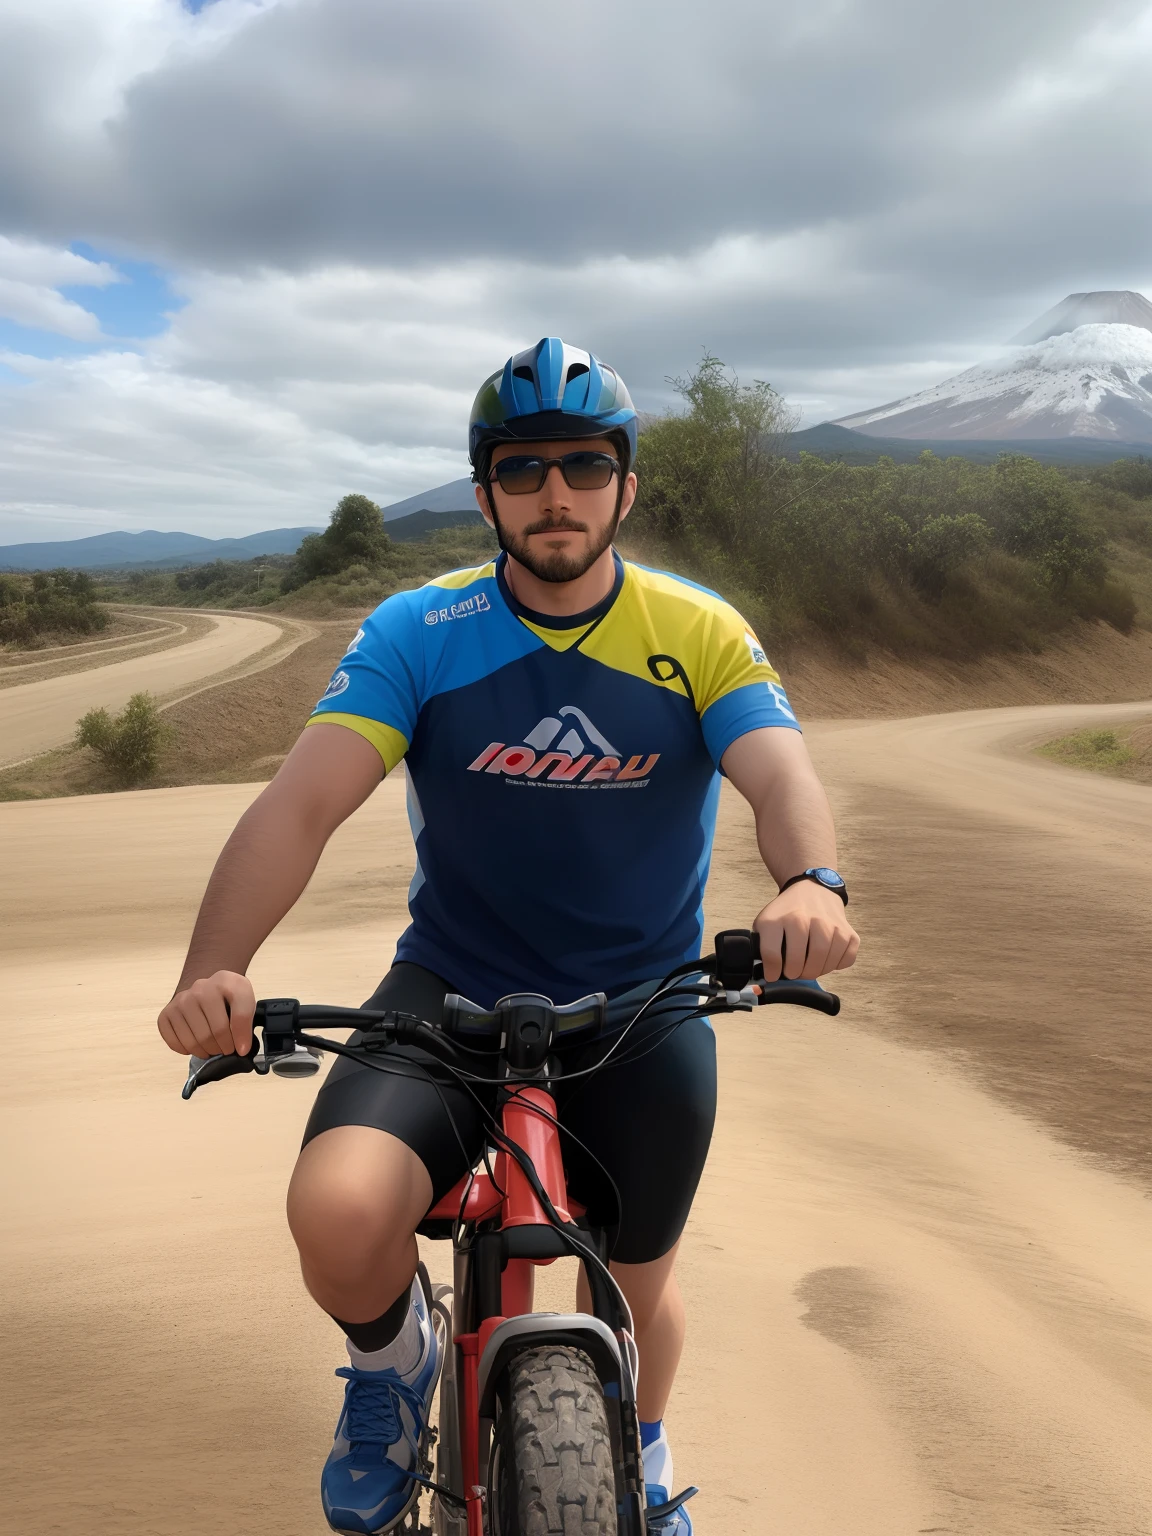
{"x": 353, "y": 130}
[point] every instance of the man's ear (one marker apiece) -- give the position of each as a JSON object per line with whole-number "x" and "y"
{"x": 483, "y": 504}
{"x": 629, "y": 495}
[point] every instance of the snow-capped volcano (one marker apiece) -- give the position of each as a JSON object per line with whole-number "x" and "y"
{"x": 1085, "y": 371}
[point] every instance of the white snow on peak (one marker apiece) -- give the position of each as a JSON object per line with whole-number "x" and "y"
{"x": 1073, "y": 380}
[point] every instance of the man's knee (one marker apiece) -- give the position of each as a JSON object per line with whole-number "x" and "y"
{"x": 355, "y": 1194}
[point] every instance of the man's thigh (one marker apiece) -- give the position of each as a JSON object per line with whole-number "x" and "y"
{"x": 415, "y": 1099}
{"x": 647, "y": 1118}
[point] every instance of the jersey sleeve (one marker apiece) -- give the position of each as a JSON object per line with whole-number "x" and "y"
{"x": 376, "y": 689}
{"x": 741, "y": 689}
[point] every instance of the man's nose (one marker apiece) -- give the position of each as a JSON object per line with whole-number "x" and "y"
{"x": 554, "y": 491}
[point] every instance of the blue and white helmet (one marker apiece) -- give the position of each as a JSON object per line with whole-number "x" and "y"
{"x": 551, "y": 390}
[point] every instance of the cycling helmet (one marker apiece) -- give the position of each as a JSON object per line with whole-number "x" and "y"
{"x": 551, "y": 390}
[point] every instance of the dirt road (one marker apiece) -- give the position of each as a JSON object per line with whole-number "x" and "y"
{"x": 918, "y": 1282}
{"x": 37, "y": 716}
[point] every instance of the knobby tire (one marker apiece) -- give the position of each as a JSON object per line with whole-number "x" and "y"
{"x": 556, "y": 1475}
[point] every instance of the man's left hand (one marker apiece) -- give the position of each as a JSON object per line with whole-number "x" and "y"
{"x": 811, "y": 925}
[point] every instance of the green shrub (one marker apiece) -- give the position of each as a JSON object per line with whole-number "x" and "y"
{"x": 1133, "y": 477}
{"x": 48, "y": 603}
{"x": 128, "y": 743}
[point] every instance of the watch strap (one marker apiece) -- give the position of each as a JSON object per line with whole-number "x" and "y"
{"x": 840, "y": 890}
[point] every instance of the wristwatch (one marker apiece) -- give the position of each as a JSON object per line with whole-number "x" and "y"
{"x": 828, "y": 878}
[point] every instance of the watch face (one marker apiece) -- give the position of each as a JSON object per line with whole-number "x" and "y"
{"x": 827, "y": 877}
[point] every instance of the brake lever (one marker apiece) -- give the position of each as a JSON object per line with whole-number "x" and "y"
{"x": 213, "y": 1069}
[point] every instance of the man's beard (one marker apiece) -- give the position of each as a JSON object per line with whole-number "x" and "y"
{"x": 555, "y": 565}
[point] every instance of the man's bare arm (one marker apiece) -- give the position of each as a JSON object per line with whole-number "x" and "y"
{"x": 794, "y": 829}
{"x": 260, "y": 875}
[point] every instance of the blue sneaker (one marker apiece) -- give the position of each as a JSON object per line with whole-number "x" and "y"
{"x": 657, "y": 1457}
{"x": 369, "y": 1480}
{"x": 678, "y": 1523}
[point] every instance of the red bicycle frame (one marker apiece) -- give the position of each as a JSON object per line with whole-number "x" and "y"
{"x": 527, "y": 1117}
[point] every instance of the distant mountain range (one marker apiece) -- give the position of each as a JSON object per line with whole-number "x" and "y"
{"x": 1081, "y": 371}
{"x": 114, "y": 551}
{"x": 456, "y": 496}
{"x": 446, "y": 506}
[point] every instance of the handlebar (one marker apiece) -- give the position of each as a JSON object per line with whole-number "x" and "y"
{"x": 803, "y": 994}
{"x": 524, "y": 1025}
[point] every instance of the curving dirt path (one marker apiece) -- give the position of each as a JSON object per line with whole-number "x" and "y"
{"x": 36, "y": 716}
{"x": 917, "y": 1272}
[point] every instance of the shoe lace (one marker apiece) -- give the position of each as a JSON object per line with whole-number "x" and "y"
{"x": 373, "y": 1406}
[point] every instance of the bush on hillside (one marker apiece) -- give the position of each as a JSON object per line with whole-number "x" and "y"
{"x": 942, "y": 555}
{"x": 256, "y": 583}
{"x": 48, "y": 603}
{"x": 128, "y": 743}
{"x": 355, "y": 535}
{"x": 229, "y": 582}
{"x": 216, "y": 584}
{"x": 1132, "y": 477}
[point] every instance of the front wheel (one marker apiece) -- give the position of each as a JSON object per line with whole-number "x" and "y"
{"x": 554, "y": 1474}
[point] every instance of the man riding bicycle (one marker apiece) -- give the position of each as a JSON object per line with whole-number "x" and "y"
{"x": 564, "y": 717}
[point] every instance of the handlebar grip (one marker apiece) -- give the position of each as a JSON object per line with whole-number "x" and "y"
{"x": 804, "y": 994}
{"x": 212, "y": 1069}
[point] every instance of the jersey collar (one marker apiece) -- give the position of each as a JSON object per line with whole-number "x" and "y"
{"x": 558, "y": 621}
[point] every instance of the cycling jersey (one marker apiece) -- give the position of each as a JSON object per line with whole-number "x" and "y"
{"x": 562, "y": 772}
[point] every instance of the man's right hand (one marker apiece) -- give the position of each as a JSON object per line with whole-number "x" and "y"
{"x": 212, "y": 1017}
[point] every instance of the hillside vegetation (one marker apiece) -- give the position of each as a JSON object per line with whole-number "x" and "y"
{"x": 943, "y": 556}
{"x": 47, "y": 606}
{"x": 351, "y": 566}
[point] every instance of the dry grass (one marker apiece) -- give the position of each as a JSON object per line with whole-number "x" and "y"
{"x": 1124, "y": 751}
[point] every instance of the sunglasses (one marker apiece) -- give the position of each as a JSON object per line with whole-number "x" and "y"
{"x": 583, "y": 471}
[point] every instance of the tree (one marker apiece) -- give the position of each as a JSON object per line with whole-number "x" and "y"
{"x": 355, "y": 535}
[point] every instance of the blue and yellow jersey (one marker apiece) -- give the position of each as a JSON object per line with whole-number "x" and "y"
{"x": 562, "y": 773}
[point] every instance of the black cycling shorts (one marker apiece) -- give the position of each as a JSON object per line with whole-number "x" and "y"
{"x": 646, "y": 1118}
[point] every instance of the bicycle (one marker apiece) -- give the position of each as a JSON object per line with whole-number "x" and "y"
{"x": 544, "y": 1403}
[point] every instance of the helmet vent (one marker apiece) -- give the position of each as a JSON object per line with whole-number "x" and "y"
{"x": 523, "y": 372}
{"x": 574, "y": 371}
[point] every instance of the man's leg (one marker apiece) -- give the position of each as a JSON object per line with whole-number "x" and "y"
{"x": 380, "y": 1147}
{"x": 354, "y": 1203}
{"x": 658, "y": 1313}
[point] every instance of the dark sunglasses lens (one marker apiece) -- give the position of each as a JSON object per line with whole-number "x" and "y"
{"x": 519, "y": 476}
{"x": 588, "y": 471}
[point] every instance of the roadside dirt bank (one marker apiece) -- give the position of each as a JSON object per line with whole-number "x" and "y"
{"x": 238, "y": 728}
{"x": 211, "y": 658}
{"x": 917, "y": 1268}
{"x": 1088, "y": 665}
{"x": 37, "y": 716}
{"x": 130, "y": 633}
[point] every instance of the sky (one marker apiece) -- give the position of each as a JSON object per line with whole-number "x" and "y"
{"x": 255, "y": 254}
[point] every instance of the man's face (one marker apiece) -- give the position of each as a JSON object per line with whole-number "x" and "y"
{"x": 557, "y": 533}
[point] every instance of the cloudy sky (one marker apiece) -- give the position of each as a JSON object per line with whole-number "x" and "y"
{"x": 257, "y": 253}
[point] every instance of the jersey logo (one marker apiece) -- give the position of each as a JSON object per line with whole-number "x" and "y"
{"x": 782, "y": 703}
{"x": 340, "y": 681}
{"x": 471, "y": 605}
{"x": 566, "y": 751}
